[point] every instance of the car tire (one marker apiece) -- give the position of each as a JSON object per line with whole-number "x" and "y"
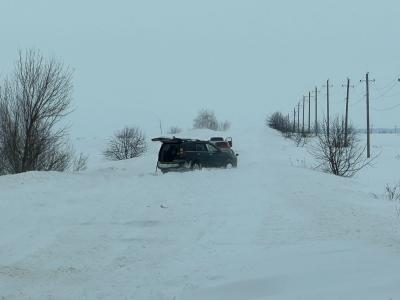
{"x": 196, "y": 166}
{"x": 229, "y": 165}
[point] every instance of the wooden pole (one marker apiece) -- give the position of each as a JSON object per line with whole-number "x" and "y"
{"x": 309, "y": 112}
{"x": 347, "y": 113}
{"x": 368, "y": 131}
{"x": 304, "y": 102}
{"x": 316, "y": 111}
{"x": 327, "y": 108}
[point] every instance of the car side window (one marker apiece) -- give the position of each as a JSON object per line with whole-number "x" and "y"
{"x": 211, "y": 148}
{"x": 201, "y": 147}
{"x": 189, "y": 147}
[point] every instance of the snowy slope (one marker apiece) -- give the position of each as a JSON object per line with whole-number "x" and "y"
{"x": 270, "y": 229}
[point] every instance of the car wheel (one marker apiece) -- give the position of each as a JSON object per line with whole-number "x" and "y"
{"x": 196, "y": 166}
{"x": 229, "y": 165}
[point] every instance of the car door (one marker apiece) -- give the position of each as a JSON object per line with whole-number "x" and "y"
{"x": 216, "y": 157}
{"x": 202, "y": 154}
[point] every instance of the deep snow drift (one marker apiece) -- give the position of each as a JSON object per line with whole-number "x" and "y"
{"x": 270, "y": 229}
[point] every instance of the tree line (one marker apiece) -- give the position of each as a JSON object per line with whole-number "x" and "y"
{"x": 335, "y": 147}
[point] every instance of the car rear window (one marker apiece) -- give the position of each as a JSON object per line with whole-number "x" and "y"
{"x": 168, "y": 152}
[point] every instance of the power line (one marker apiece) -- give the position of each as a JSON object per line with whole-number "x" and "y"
{"x": 388, "y": 85}
{"x": 358, "y": 101}
{"x": 386, "y": 109}
{"x": 383, "y": 94}
{"x": 385, "y": 97}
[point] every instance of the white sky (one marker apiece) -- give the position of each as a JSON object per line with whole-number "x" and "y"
{"x": 137, "y": 62}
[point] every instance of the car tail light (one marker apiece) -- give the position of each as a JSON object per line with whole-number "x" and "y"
{"x": 223, "y": 145}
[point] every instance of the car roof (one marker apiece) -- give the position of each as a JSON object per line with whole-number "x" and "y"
{"x": 176, "y": 140}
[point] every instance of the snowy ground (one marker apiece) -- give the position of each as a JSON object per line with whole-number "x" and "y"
{"x": 270, "y": 229}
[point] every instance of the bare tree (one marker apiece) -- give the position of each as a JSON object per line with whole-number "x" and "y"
{"x": 336, "y": 155}
{"x": 205, "y": 119}
{"x": 33, "y": 101}
{"x": 80, "y": 163}
{"x": 174, "y": 130}
{"x": 279, "y": 122}
{"x": 300, "y": 139}
{"x": 224, "y": 126}
{"x": 276, "y": 121}
{"x": 127, "y": 143}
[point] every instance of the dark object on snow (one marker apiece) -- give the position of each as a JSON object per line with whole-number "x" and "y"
{"x": 178, "y": 154}
{"x": 216, "y": 139}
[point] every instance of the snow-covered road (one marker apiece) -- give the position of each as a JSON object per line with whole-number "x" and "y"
{"x": 270, "y": 229}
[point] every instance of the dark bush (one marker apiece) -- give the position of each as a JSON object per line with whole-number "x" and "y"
{"x": 205, "y": 119}
{"x": 127, "y": 143}
{"x": 33, "y": 101}
{"x": 337, "y": 154}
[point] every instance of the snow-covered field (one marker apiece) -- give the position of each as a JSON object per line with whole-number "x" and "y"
{"x": 271, "y": 229}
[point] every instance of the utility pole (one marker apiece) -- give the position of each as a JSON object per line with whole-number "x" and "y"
{"x": 368, "y": 127}
{"x": 347, "y": 112}
{"x": 304, "y": 102}
{"x": 298, "y": 117}
{"x": 368, "y": 133}
{"x": 327, "y": 107}
{"x": 309, "y": 112}
{"x": 316, "y": 111}
{"x": 294, "y": 119}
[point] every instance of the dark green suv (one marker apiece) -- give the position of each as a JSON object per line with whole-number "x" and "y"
{"x": 178, "y": 154}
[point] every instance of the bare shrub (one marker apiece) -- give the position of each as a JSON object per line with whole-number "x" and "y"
{"x": 224, "y": 126}
{"x": 80, "y": 163}
{"x": 127, "y": 143}
{"x": 397, "y": 211}
{"x": 33, "y": 101}
{"x": 288, "y": 134}
{"x": 174, "y": 130}
{"x": 300, "y": 139}
{"x": 277, "y": 121}
{"x": 334, "y": 154}
{"x": 281, "y": 123}
{"x": 205, "y": 119}
{"x": 392, "y": 192}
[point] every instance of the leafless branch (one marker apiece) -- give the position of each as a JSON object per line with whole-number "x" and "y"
{"x": 334, "y": 154}
{"x": 32, "y": 102}
{"x": 127, "y": 143}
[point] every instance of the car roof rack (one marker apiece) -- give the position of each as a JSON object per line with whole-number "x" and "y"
{"x": 174, "y": 139}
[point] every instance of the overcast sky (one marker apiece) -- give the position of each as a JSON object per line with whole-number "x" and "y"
{"x": 138, "y": 62}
